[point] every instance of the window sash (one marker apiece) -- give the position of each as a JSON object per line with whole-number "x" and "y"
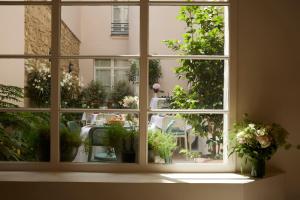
{"x": 56, "y": 110}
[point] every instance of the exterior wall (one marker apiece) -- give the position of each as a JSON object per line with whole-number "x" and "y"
{"x": 12, "y": 42}
{"x": 38, "y": 35}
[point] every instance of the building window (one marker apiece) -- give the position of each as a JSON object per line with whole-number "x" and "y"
{"x": 119, "y": 25}
{"x": 111, "y": 71}
{"x": 158, "y": 100}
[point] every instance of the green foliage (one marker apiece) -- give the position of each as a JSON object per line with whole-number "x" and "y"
{"x": 10, "y": 147}
{"x": 190, "y": 154}
{"x": 9, "y": 95}
{"x": 39, "y": 86}
{"x": 204, "y": 36}
{"x": 162, "y": 143}
{"x": 121, "y": 89}
{"x": 154, "y": 72}
{"x": 94, "y": 95}
{"x": 69, "y": 142}
{"x": 116, "y": 133}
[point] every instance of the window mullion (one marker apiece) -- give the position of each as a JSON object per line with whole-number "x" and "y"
{"x": 144, "y": 26}
{"x": 55, "y": 86}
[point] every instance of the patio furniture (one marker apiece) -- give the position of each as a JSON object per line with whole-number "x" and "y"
{"x": 97, "y": 149}
{"x": 177, "y": 127}
{"x": 74, "y": 126}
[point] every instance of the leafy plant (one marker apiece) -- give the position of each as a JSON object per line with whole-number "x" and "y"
{"x": 121, "y": 89}
{"x": 39, "y": 86}
{"x": 9, "y": 95}
{"x": 16, "y": 128}
{"x": 257, "y": 140}
{"x": 162, "y": 143}
{"x": 69, "y": 143}
{"x": 10, "y": 147}
{"x": 204, "y": 36}
{"x": 115, "y": 136}
{"x": 154, "y": 72}
{"x": 190, "y": 154}
{"x": 94, "y": 95}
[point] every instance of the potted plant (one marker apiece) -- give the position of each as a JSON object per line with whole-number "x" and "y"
{"x": 257, "y": 142}
{"x": 162, "y": 144}
{"x": 93, "y": 95}
{"x": 69, "y": 143}
{"x": 114, "y": 139}
{"x": 121, "y": 89}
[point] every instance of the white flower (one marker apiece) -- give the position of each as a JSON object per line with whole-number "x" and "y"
{"x": 261, "y": 132}
{"x": 251, "y": 126}
{"x": 264, "y": 140}
{"x": 130, "y": 102}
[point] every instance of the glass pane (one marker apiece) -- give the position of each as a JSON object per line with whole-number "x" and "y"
{"x": 25, "y": 83}
{"x": 185, "y": 138}
{"x": 186, "y": 84}
{"x": 91, "y": 30}
{"x": 24, "y": 136}
{"x": 103, "y": 63}
{"x": 120, "y": 75}
{"x": 104, "y": 76}
{"x": 186, "y": 30}
{"x": 85, "y": 86}
{"x": 25, "y": 30}
{"x": 99, "y": 137}
{"x": 198, "y": 0}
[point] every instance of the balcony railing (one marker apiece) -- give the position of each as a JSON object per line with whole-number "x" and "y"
{"x": 119, "y": 28}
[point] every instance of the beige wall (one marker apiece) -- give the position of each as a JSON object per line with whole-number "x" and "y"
{"x": 12, "y": 42}
{"x": 269, "y": 73}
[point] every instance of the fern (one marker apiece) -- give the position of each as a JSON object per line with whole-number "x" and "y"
{"x": 9, "y": 95}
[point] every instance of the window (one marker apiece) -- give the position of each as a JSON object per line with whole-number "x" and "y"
{"x": 157, "y": 100}
{"x": 119, "y": 25}
{"x": 110, "y": 72}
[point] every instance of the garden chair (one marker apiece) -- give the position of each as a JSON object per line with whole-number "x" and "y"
{"x": 96, "y": 139}
{"x": 177, "y": 127}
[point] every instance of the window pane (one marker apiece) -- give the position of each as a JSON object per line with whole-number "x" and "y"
{"x": 25, "y": 30}
{"x": 185, "y": 138}
{"x": 187, "y": 30}
{"x": 84, "y": 85}
{"x": 25, "y": 83}
{"x": 103, "y": 63}
{"x": 186, "y": 84}
{"x": 91, "y": 30}
{"x": 24, "y": 136}
{"x": 99, "y": 137}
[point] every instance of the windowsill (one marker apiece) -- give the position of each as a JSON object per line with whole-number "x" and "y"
{"x": 197, "y": 178}
{"x": 115, "y": 186}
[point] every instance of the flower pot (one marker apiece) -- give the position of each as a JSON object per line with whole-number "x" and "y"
{"x": 258, "y": 168}
{"x": 168, "y": 160}
{"x": 128, "y": 157}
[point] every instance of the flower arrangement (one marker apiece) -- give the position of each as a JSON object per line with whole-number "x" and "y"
{"x": 39, "y": 82}
{"x": 130, "y": 102}
{"x": 257, "y": 142}
{"x": 156, "y": 87}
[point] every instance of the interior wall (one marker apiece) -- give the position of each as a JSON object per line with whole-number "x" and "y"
{"x": 269, "y": 74}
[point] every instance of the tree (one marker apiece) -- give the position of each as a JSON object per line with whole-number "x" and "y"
{"x": 204, "y": 36}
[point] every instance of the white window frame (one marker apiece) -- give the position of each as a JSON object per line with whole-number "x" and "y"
{"x": 227, "y": 166}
